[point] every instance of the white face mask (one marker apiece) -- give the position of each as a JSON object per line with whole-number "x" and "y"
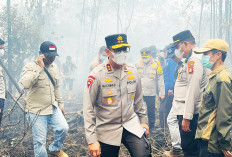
{"x": 1, "y": 52}
{"x": 179, "y": 54}
{"x": 119, "y": 58}
{"x": 146, "y": 60}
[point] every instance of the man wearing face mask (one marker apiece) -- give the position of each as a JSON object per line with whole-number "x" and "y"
{"x": 151, "y": 74}
{"x": 44, "y": 102}
{"x": 113, "y": 107}
{"x": 190, "y": 83}
{"x": 2, "y": 82}
{"x": 102, "y": 56}
{"x": 215, "y": 117}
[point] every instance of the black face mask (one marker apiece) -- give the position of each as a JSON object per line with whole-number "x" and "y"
{"x": 48, "y": 60}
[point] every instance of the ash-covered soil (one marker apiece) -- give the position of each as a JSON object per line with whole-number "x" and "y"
{"x": 14, "y": 130}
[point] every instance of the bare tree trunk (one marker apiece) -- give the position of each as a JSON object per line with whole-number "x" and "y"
{"x": 132, "y": 13}
{"x": 227, "y": 17}
{"x": 214, "y": 18}
{"x": 9, "y": 42}
{"x": 199, "y": 33}
{"x": 211, "y": 18}
{"x": 220, "y": 20}
{"x": 118, "y": 16}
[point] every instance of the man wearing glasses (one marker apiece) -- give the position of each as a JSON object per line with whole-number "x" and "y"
{"x": 44, "y": 102}
{"x": 113, "y": 107}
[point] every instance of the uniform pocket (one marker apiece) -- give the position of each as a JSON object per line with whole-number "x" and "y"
{"x": 207, "y": 100}
{"x": 41, "y": 81}
{"x": 131, "y": 93}
{"x": 109, "y": 97}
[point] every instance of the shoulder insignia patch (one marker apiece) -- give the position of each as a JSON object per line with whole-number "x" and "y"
{"x": 109, "y": 68}
{"x": 191, "y": 67}
{"x": 90, "y": 80}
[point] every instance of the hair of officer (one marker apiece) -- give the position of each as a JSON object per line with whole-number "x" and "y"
{"x": 191, "y": 40}
{"x": 214, "y": 51}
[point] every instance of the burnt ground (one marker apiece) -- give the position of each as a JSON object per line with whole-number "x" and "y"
{"x": 14, "y": 130}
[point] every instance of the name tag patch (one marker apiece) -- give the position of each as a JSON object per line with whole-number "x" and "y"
{"x": 131, "y": 82}
{"x": 109, "y": 85}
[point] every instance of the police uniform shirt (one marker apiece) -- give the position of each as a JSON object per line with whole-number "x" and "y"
{"x": 151, "y": 77}
{"x": 191, "y": 80}
{"x": 113, "y": 102}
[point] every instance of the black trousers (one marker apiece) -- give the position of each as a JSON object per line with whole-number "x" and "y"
{"x": 1, "y": 108}
{"x": 188, "y": 143}
{"x": 150, "y": 101}
{"x": 203, "y": 145}
{"x": 165, "y": 107}
{"x": 138, "y": 147}
{"x": 68, "y": 82}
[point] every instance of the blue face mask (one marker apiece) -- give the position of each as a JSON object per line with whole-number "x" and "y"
{"x": 102, "y": 58}
{"x": 205, "y": 62}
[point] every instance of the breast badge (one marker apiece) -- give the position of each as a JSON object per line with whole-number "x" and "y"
{"x": 109, "y": 101}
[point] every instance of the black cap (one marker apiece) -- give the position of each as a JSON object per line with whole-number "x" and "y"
{"x": 49, "y": 48}
{"x": 171, "y": 50}
{"x": 145, "y": 51}
{"x": 102, "y": 49}
{"x": 182, "y": 36}
{"x": 116, "y": 41}
{"x": 2, "y": 42}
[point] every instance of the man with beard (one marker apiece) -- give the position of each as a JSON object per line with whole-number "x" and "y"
{"x": 44, "y": 102}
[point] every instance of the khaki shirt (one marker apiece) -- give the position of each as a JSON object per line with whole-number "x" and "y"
{"x": 41, "y": 93}
{"x": 112, "y": 103}
{"x": 191, "y": 81}
{"x": 151, "y": 77}
{"x": 215, "y": 118}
